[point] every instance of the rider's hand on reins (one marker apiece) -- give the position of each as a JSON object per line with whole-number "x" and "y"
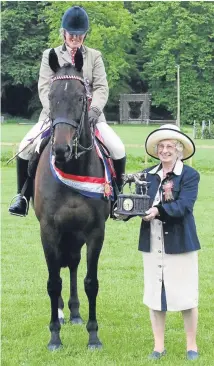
{"x": 93, "y": 116}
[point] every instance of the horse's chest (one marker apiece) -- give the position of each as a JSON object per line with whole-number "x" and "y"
{"x": 74, "y": 216}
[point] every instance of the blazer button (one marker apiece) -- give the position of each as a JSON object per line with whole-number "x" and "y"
{"x": 159, "y": 266}
{"x": 163, "y": 222}
{"x": 166, "y": 232}
{"x": 159, "y": 238}
{"x": 159, "y": 251}
{"x": 160, "y": 280}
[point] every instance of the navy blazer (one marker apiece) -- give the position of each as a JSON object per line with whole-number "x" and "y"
{"x": 179, "y": 228}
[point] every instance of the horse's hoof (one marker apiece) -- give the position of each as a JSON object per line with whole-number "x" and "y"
{"x": 94, "y": 346}
{"x": 54, "y": 347}
{"x": 76, "y": 320}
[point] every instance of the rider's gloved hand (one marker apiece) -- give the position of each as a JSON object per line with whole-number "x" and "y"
{"x": 93, "y": 116}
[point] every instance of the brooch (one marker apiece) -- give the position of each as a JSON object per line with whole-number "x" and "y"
{"x": 167, "y": 190}
{"x": 107, "y": 189}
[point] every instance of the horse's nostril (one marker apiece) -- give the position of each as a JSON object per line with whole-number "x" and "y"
{"x": 61, "y": 151}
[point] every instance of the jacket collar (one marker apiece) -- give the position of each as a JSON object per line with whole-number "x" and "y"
{"x": 65, "y": 51}
{"x": 177, "y": 168}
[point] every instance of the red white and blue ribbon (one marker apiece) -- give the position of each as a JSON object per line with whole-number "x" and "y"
{"x": 92, "y": 187}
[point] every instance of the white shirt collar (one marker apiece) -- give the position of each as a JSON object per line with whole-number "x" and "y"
{"x": 177, "y": 168}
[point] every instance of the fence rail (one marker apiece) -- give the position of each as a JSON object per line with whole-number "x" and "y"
{"x": 204, "y": 130}
{"x": 161, "y": 121}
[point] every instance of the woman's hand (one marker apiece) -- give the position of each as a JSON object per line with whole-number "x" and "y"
{"x": 151, "y": 214}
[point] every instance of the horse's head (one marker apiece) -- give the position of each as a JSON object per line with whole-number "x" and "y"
{"x": 68, "y": 106}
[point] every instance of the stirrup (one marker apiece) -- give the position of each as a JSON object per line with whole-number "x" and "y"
{"x": 27, "y": 206}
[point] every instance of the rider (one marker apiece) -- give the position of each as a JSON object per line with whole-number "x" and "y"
{"x": 75, "y": 25}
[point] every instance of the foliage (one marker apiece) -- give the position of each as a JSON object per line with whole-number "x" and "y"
{"x": 203, "y": 131}
{"x": 141, "y": 43}
{"x": 24, "y": 37}
{"x": 171, "y": 33}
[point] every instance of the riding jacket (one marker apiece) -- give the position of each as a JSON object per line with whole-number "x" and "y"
{"x": 93, "y": 72}
{"x": 96, "y": 87}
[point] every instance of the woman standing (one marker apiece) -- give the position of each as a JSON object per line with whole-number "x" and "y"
{"x": 168, "y": 237}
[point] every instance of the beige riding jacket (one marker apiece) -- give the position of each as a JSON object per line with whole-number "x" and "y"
{"x": 93, "y": 72}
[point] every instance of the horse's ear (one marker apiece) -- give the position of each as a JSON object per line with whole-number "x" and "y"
{"x": 53, "y": 60}
{"x": 78, "y": 60}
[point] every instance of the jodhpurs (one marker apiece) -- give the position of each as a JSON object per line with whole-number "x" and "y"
{"x": 110, "y": 138}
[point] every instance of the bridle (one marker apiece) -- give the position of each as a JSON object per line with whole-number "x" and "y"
{"x": 78, "y": 126}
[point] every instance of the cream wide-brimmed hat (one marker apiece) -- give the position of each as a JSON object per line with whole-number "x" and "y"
{"x": 169, "y": 132}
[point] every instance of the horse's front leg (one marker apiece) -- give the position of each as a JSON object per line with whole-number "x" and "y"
{"x": 60, "y": 310}
{"x": 73, "y": 302}
{"x": 54, "y": 288}
{"x": 94, "y": 246}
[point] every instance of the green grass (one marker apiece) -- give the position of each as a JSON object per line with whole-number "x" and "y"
{"x": 130, "y": 135}
{"x": 124, "y": 326}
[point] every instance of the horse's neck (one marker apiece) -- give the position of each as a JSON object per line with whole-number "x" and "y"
{"x": 88, "y": 163}
{"x": 86, "y": 136}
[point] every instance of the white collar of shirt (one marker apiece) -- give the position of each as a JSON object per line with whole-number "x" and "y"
{"x": 177, "y": 169}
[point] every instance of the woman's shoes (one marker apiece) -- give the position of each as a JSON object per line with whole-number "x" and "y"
{"x": 192, "y": 355}
{"x": 156, "y": 355}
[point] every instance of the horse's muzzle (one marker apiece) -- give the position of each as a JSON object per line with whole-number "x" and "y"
{"x": 62, "y": 153}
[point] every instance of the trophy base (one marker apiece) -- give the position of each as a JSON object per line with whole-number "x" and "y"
{"x": 133, "y": 204}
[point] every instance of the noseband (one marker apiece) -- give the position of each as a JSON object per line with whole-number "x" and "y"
{"x": 78, "y": 126}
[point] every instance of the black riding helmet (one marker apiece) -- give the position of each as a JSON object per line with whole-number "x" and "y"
{"x": 75, "y": 21}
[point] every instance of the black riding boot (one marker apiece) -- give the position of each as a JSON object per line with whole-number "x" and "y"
{"x": 119, "y": 166}
{"x": 20, "y": 206}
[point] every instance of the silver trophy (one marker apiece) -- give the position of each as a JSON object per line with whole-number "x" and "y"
{"x": 136, "y": 202}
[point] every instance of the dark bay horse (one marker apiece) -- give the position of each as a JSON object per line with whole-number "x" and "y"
{"x": 67, "y": 218}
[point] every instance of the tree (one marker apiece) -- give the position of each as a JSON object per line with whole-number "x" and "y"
{"x": 24, "y": 37}
{"x": 171, "y": 33}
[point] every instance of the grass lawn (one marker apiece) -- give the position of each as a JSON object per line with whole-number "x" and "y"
{"x": 133, "y": 137}
{"x": 124, "y": 326}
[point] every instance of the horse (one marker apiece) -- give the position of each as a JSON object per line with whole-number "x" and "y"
{"x": 69, "y": 219}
